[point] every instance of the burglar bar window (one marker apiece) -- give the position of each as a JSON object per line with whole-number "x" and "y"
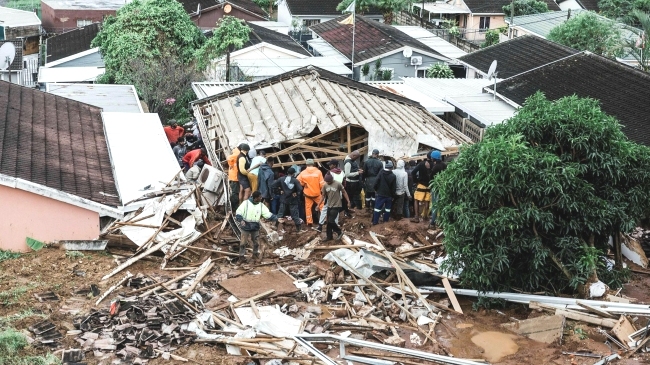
{"x": 484, "y": 23}
{"x": 310, "y": 22}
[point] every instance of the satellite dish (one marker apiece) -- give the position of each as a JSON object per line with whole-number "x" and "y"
{"x": 492, "y": 70}
{"x": 227, "y": 9}
{"x": 407, "y": 52}
{"x": 7, "y": 55}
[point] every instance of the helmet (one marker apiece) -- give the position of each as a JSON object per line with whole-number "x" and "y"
{"x": 435, "y": 155}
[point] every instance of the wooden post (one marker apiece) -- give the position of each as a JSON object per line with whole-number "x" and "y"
{"x": 349, "y": 141}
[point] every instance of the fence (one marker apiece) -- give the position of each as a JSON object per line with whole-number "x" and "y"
{"x": 465, "y": 126}
{"x": 467, "y": 41}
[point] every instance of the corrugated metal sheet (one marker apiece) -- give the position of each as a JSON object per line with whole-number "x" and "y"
{"x": 483, "y": 107}
{"x": 207, "y": 89}
{"x": 433, "y": 105}
{"x": 292, "y": 105}
{"x": 436, "y": 43}
{"x": 111, "y": 98}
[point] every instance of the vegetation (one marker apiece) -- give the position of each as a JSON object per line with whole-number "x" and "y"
{"x": 74, "y": 254}
{"x": 143, "y": 35}
{"x": 27, "y": 313}
{"x": 589, "y": 32}
{"x": 8, "y": 255}
{"x": 387, "y": 7}
{"x": 451, "y": 26}
{"x": 230, "y": 34}
{"x": 440, "y": 71}
{"x": 532, "y": 206}
{"x": 491, "y": 38}
{"x": 12, "y": 342}
{"x": 623, "y": 10}
{"x": 526, "y": 7}
{"x": 639, "y": 48}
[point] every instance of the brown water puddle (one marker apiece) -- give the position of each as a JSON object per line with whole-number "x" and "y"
{"x": 495, "y": 345}
{"x": 464, "y": 325}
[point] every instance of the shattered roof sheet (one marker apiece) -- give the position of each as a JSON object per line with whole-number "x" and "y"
{"x": 621, "y": 89}
{"x": 55, "y": 142}
{"x": 293, "y": 104}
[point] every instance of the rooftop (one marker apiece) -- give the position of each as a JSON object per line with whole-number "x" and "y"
{"x": 111, "y": 98}
{"x": 443, "y": 88}
{"x": 433, "y": 41}
{"x": 327, "y": 50}
{"x": 589, "y": 5}
{"x": 435, "y": 106}
{"x": 319, "y": 7}
{"x": 621, "y": 89}
{"x": 69, "y": 74}
{"x": 85, "y": 4}
{"x": 55, "y": 142}
{"x": 441, "y": 8}
{"x": 541, "y": 24}
{"x": 10, "y": 17}
{"x": 517, "y": 55}
{"x": 192, "y": 6}
{"x": 261, "y": 34}
{"x": 372, "y": 39}
{"x": 208, "y": 88}
{"x": 71, "y": 42}
{"x": 263, "y": 68}
{"x": 483, "y": 107}
{"x": 486, "y": 6}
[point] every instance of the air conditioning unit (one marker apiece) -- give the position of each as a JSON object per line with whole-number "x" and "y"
{"x": 416, "y": 61}
{"x": 211, "y": 178}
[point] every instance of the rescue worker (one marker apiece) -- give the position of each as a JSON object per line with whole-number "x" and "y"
{"x": 402, "y": 193}
{"x": 333, "y": 194}
{"x": 192, "y": 175}
{"x": 180, "y": 150}
{"x": 290, "y": 198}
{"x": 422, "y": 176}
{"x": 371, "y": 168}
{"x": 243, "y": 163}
{"x": 265, "y": 180}
{"x": 248, "y": 217}
{"x": 173, "y": 132}
{"x": 311, "y": 179}
{"x": 385, "y": 186}
{"x": 232, "y": 178}
{"x": 352, "y": 185}
{"x": 337, "y": 174}
{"x": 191, "y": 157}
{"x": 256, "y": 162}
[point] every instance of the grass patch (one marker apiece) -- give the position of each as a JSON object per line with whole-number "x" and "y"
{"x": 11, "y": 297}
{"x": 27, "y": 313}
{"x": 8, "y": 255}
{"x": 12, "y": 342}
{"x": 74, "y": 255}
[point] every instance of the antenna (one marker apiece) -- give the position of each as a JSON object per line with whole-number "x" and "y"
{"x": 7, "y": 55}
{"x": 492, "y": 73}
{"x": 407, "y": 52}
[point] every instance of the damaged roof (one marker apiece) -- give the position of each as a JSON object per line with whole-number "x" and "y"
{"x": 372, "y": 39}
{"x": 517, "y": 55}
{"x": 622, "y": 90}
{"x": 71, "y": 42}
{"x": 55, "y": 142}
{"x": 293, "y": 104}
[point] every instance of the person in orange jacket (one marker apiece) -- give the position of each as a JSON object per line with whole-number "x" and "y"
{"x": 311, "y": 180}
{"x": 232, "y": 177}
{"x": 173, "y": 132}
{"x": 191, "y": 157}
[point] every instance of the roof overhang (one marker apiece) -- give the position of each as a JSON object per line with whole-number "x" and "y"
{"x": 72, "y": 57}
{"x": 42, "y": 190}
{"x": 390, "y": 53}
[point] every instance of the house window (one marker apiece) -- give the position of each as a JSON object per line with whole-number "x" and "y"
{"x": 484, "y": 23}
{"x": 83, "y": 22}
{"x": 422, "y": 73}
{"x": 309, "y": 22}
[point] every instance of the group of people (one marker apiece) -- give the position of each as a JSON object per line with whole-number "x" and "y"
{"x": 188, "y": 149}
{"x": 258, "y": 190}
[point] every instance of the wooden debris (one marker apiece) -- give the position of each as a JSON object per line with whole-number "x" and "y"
{"x": 547, "y": 329}
{"x": 452, "y": 296}
{"x": 595, "y": 310}
{"x": 623, "y": 329}
{"x": 577, "y": 316}
{"x": 112, "y": 288}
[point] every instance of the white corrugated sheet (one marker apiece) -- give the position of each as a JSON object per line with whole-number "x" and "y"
{"x": 433, "y": 105}
{"x": 209, "y": 88}
{"x": 441, "y": 88}
{"x": 436, "y": 43}
{"x": 69, "y": 74}
{"x": 263, "y": 68}
{"x": 326, "y": 50}
{"x": 483, "y": 107}
{"x": 111, "y": 98}
{"x": 10, "y": 17}
{"x": 291, "y": 105}
{"x": 140, "y": 153}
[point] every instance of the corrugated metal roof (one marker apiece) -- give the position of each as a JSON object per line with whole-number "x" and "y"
{"x": 17, "y": 18}
{"x": 326, "y": 50}
{"x": 434, "y": 42}
{"x": 263, "y": 68}
{"x": 111, "y": 98}
{"x": 483, "y": 107}
{"x": 207, "y": 89}
{"x": 442, "y": 88}
{"x": 292, "y": 105}
{"x": 69, "y": 74}
{"x": 541, "y": 24}
{"x": 433, "y": 105}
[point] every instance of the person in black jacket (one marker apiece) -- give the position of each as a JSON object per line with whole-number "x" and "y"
{"x": 371, "y": 169}
{"x": 385, "y": 188}
{"x": 291, "y": 190}
{"x": 422, "y": 196}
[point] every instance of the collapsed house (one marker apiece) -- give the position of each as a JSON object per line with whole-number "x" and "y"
{"x": 311, "y": 113}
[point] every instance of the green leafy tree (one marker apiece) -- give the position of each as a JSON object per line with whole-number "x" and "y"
{"x": 623, "y": 10}
{"x": 230, "y": 35}
{"x": 388, "y": 8}
{"x": 491, "y": 38}
{"x": 140, "y": 36}
{"x": 532, "y": 205}
{"x": 640, "y": 47}
{"x": 440, "y": 71}
{"x": 526, "y": 7}
{"x": 589, "y": 32}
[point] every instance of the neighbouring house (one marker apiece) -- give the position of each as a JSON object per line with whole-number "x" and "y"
{"x": 514, "y": 56}
{"x": 59, "y": 16}
{"x": 71, "y": 43}
{"x": 111, "y": 98}
{"x": 400, "y": 55}
{"x": 206, "y": 13}
{"x": 56, "y": 179}
{"x": 322, "y": 116}
{"x": 303, "y": 14}
{"x": 621, "y": 90}
{"x": 20, "y": 24}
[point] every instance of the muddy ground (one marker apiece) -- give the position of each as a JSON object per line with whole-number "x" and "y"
{"x": 474, "y": 335}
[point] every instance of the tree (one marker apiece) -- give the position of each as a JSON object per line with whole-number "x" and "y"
{"x": 623, "y": 10}
{"x": 589, "y": 32}
{"x": 526, "y": 7}
{"x": 640, "y": 48}
{"x": 144, "y": 34}
{"x": 491, "y": 38}
{"x": 440, "y": 71}
{"x": 532, "y": 206}
{"x": 387, "y": 7}
{"x": 230, "y": 34}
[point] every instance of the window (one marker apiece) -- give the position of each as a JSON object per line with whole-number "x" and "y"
{"x": 83, "y": 22}
{"x": 484, "y": 23}
{"x": 309, "y": 22}
{"x": 422, "y": 73}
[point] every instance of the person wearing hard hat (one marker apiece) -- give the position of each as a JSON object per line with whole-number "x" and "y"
{"x": 311, "y": 180}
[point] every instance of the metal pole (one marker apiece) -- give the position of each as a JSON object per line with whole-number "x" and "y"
{"x": 354, "y": 24}
{"x": 512, "y": 17}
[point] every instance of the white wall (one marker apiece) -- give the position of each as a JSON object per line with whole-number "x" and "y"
{"x": 284, "y": 16}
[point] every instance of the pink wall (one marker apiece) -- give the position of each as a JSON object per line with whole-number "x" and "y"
{"x": 25, "y": 214}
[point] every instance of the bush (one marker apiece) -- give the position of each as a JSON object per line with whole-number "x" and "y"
{"x": 532, "y": 206}
{"x": 440, "y": 71}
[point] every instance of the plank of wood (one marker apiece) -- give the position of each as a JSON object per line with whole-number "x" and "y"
{"x": 623, "y": 329}
{"x": 595, "y": 310}
{"x": 254, "y": 308}
{"x": 256, "y": 297}
{"x": 134, "y": 259}
{"x": 545, "y": 329}
{"x": 577, "y": 316}
{"x": 452, "y": 296}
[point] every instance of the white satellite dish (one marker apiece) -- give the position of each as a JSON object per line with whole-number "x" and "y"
{"x": 492, "y": 69}
{"x": 7, "y": 55}
{"x": 407, "y": 52}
